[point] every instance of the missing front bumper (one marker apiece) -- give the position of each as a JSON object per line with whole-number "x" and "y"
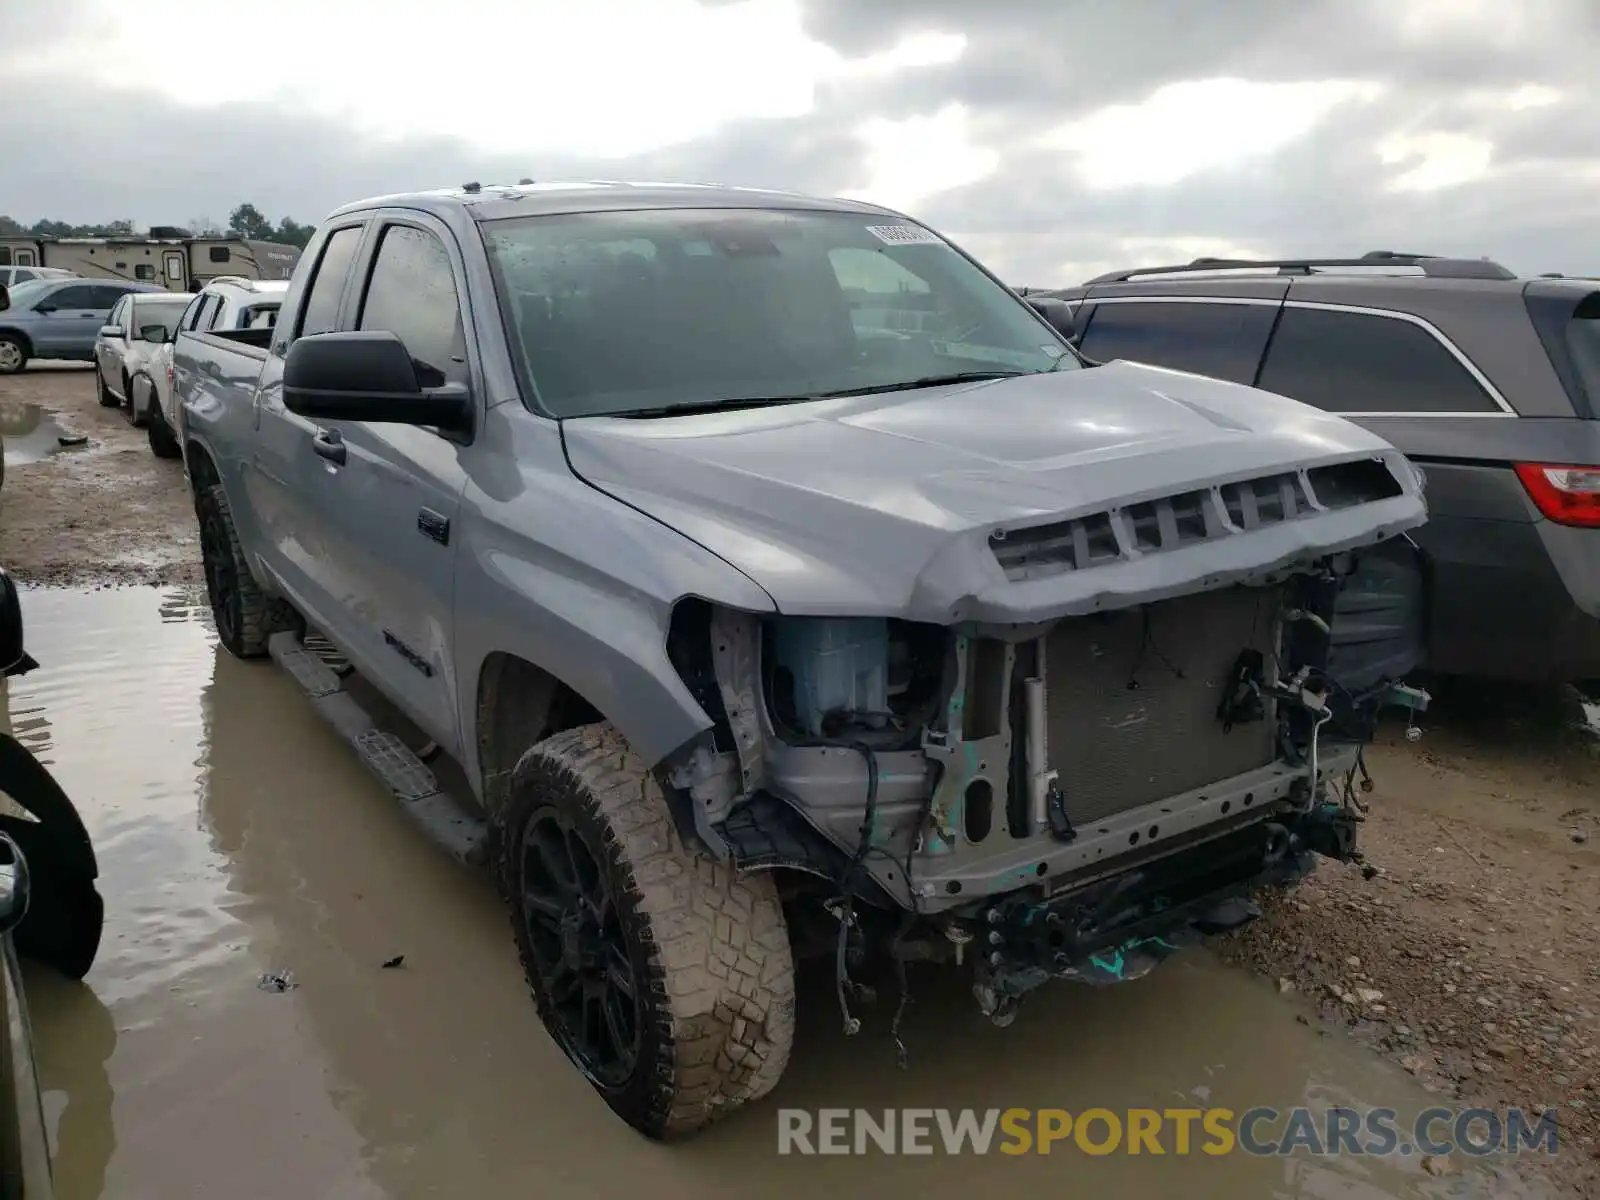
{"x": 1119, "y": 928}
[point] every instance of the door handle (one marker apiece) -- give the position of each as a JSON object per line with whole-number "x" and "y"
{"x": 329, "y": 444}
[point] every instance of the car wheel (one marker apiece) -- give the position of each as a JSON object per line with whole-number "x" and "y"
{"x": 665, "y": 977}
{"x": 102, "y": 392}
{"x": 244, "y": 616}
{"x": 13, "y": 354}
{"x": 162, "y": 442}
{"x": 138, "y": 419}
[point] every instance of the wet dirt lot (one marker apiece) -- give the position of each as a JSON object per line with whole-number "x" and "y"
{"x": 237, "y": 837}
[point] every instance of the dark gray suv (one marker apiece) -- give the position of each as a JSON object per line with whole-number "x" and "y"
{"x": 1488, "y": 382}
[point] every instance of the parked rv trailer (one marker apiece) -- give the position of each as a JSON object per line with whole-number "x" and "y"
{"x": 178, "y": 264}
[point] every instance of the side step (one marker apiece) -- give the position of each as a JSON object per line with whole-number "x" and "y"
{"x": 464, "y": 836}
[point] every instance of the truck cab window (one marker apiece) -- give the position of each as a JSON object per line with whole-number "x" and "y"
{"x": 412, "y": 294}
{"x": 321, "y": 311}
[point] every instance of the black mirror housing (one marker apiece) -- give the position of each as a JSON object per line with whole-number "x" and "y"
{"x": 5, "y": 297}
{"x": 367, "y": 375}
{"x": 14, "y": 658}
{"x": 1058, "y": 314}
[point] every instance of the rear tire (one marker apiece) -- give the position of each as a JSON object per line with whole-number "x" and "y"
{"x": 138, "y": 420}
{"x": 162, "y": 442}
{"x": 245, "y": 617}
{"x": 706, "y": 1022}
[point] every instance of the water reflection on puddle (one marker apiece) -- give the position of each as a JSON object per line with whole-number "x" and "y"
{"x": 29, "y": 433}
{"x": 238, "y": 837}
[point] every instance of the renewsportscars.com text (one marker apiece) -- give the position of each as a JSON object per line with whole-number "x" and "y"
{"x": 1176, "y": 1131}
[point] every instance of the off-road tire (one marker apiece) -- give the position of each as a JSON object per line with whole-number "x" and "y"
{"x": 709, "y": 947}
{"x": 12, "y": 366}
{"x": 102, "y": 393}
{"x": 245, "y": 616}
{"x": 163, "y": 443}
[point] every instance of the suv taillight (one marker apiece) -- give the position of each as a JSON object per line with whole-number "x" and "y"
{"x": 1567, "y": 495}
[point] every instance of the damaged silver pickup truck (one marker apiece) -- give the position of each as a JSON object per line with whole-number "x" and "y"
{"x": 783, "y": 585}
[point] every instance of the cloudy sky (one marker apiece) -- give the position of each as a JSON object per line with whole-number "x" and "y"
{"x": 1054, "y": 138}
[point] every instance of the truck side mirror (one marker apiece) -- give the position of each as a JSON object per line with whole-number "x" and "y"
{"x": 368, "y": 375}
{"x": 1058, "y": 314}
{"x": 14, "y": 658}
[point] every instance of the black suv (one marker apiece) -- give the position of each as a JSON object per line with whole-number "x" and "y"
{"x": 1489, "y": 382}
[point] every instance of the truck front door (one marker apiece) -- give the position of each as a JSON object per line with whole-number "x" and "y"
{"x": 390, "y": 514}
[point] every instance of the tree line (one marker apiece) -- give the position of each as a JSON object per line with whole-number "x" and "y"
{"x": 245, "y": 221}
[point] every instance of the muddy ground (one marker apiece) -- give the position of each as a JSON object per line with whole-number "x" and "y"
{"x": 1464, "y": 951}
{"x": 105, "y": 511}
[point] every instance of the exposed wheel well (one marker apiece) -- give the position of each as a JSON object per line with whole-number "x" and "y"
{"x": 202, "y": 471}
{"x": 20, "y": 338}
{"x": 520, "y": 704}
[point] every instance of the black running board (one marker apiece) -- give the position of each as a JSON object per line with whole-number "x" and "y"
{"x": 444, "y": 819}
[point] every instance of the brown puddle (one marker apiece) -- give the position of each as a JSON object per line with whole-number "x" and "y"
{"x": 238, "y": 837}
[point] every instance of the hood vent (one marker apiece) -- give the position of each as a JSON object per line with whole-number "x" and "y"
{"x": 1187, "y": 518}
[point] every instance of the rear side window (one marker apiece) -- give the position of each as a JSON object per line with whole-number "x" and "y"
{"x": 321, "y": 311}
{"x": 1222, "y": 340}
{"x": 1349, "y": 362}
{"x": 1583, "y": 345}
{"x": 206, "y": 313}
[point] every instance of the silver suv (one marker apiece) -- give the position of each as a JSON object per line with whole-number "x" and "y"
{"x": 1488, "y": 382}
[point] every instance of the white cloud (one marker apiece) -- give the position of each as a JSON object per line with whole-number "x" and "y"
{"x": 601, "y": 79}
{"x": 911, "y": 159}
{"x": 1184, "y": 128}
{"x": 1446, "y": 160}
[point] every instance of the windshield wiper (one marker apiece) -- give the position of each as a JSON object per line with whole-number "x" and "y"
{"x": 705, "y": 406}
{"x": 927, "y": 381}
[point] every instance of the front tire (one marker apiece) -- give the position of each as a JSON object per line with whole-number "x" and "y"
{"x": 102, "y": 393}
{"x": 665, "y": 977}
{"x": 245, "y": 617}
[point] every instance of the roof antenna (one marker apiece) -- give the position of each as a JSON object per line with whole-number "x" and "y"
{"x": 524, "y": 182}
{"x": 472, "y": 189}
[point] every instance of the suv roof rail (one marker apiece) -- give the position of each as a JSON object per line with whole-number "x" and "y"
{"x": 1432, "y": 265}
{"x": 240, "y": 281}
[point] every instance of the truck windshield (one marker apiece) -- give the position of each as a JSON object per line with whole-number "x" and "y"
{"x": 647, "y": 311}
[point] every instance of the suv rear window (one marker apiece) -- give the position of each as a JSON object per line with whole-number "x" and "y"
{"x": 1351, "y": 362}
{"x": 1221, "y": 340}
{"x": 1583, "y": 345}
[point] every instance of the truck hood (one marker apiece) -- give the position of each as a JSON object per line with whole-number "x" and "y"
{"x": 894, "y": 504}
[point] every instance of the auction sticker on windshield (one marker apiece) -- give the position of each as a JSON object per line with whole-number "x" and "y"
{"x": 904, "y": 235}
